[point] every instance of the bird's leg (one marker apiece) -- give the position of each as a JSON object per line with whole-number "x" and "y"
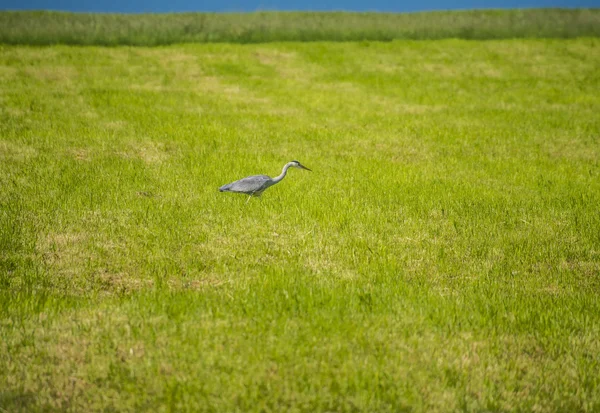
{"x": 248, "y": 200}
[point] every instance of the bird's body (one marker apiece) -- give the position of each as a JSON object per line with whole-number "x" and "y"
{"x": 257, "y": 184}
{"x": 252, "y": 185}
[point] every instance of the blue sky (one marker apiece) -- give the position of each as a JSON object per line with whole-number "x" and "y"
{"x": 160, "y": 6}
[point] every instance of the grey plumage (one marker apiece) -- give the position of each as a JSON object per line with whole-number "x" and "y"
{"x": 252, "y": 185}
{"x": 257, "y": 184}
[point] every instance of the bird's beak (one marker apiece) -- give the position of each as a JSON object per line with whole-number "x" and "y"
{"x": 304, "y": 167}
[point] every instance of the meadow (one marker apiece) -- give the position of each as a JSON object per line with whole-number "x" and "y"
{"x": 50, "y": 28}
{"x": 443, "y": 255}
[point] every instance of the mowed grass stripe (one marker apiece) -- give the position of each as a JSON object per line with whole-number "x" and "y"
{"x": 443, "y": 255}
{"x": 104, "y": 29}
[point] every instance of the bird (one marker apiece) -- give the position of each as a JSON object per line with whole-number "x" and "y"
{"x": 255, "y": 185}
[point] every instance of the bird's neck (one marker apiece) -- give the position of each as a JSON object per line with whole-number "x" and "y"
{"x": 283, "y": 172}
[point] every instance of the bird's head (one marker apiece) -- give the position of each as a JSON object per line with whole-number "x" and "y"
{"x": 298, "y": 165}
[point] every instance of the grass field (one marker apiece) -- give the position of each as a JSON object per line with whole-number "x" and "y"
{"x": 443, "y": 255}
{"x": 50, "y": 28}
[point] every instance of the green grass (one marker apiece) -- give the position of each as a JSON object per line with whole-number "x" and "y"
{"x": 444, "y": 255}
{"x": 49, "y": 28}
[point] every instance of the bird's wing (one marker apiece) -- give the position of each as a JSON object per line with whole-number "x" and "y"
{"x": 247, "y": 185}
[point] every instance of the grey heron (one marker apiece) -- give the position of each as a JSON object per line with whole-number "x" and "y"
{"x": 256, "y": 185}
